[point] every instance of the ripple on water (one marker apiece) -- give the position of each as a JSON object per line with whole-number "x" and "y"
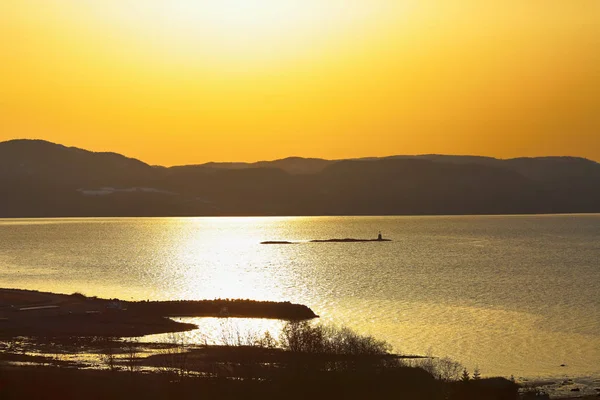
{"x": 514, "y": 295}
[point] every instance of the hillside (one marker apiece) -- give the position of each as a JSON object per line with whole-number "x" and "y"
{"x": 42, "y": 179}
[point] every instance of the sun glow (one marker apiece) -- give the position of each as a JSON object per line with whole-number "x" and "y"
{"x": 243, "y": 29}
{"x": 190, "y": 81}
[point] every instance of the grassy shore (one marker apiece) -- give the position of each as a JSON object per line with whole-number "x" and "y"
{"x": 307, "y": 361}
{"x": 232, "y": 372}
{"x": 55, "y": 346}
{"x": 297, "y": 380}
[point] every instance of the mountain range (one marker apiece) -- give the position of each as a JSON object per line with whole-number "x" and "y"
{"x": 43, "y": 179}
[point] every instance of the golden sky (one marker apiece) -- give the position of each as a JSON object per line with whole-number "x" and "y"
{"x": 189, "y": 81}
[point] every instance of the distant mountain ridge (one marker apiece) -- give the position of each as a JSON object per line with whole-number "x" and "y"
{"x": 292, "y": 165}
{"x": 43, "y": 179}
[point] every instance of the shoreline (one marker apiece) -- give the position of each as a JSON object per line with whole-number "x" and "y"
{"x": 245, "y": 363}
{"x": 131, "y": 381}
{"x": 61, "y": 326}
{"x": 75, "y": 217}
{"x": 45, "y": 314}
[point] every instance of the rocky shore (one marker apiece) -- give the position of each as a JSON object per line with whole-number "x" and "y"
{"x": 345, "y": 240}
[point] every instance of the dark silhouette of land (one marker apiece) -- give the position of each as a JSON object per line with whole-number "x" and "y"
{"x": 310, "y": 361}
{"x": 350, "y": 240}
{"x": 32, "y": 313}
{"x": 307, "y": 361}
{"x": 346, "y": 240}
{"x": 42, "y": 179}
{"x": 405, "y": 383}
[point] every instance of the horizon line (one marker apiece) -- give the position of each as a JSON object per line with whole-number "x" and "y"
{"x": 359, "y": 158}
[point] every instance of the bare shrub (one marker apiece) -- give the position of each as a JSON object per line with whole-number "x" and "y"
{"x": 132, "y": 355}
{"x": 301, "y": 336}
{"x": 108, "y": 354}
{"x": 444, "y": 369}
{"x": 175, "y": 355}
{"x": 266, "y": 341}
{"x": 428, "y": 363}
{"x": 346, "y": 341}
{"x": 449, "y": 370}
{"x": 231, "y": 335}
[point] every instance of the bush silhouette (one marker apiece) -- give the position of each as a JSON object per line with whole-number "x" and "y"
{"x": 303, "y": 337}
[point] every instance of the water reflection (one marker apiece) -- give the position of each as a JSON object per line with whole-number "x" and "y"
{"x": 220, "y": 258}
{"x": 221, "y": 331}
{"x": 514, "y": 295}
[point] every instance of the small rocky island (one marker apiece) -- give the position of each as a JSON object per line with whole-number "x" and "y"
{"x": 350, "y": 240}
{"x": 346, "y": 240}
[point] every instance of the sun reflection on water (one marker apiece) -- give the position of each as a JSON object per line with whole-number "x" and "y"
{"x": 224, "y": 260}
{"x": 512, "y": 295}
{"x": 221, "y": 331}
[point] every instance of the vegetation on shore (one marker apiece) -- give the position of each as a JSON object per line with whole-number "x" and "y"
{"x": 306, "y": 361}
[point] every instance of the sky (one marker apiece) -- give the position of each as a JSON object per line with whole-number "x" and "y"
{"x": 189, "y": 81}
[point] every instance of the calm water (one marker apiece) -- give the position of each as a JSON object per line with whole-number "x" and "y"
{"x": 513, "y": 294}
